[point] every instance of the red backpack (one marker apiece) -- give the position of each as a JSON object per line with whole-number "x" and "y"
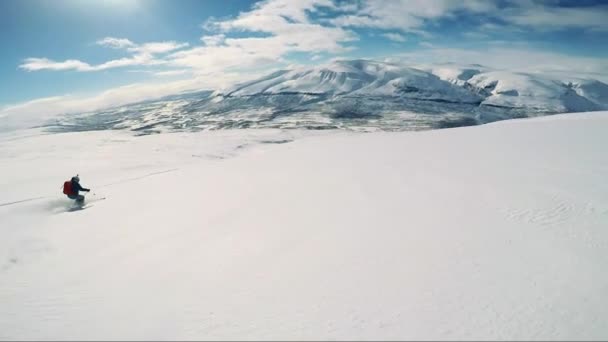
{"x": 67, "y": 188}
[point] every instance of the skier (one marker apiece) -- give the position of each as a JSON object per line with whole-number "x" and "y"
{"x": 72, "y": 187}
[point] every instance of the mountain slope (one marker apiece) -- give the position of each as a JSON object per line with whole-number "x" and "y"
{"x": 593, "y": 90}
{"x": 521, "y": 90}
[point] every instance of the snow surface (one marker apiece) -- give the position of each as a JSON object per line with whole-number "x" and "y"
{"x": 487, "y": 232}
{"x": 522, "y": 90}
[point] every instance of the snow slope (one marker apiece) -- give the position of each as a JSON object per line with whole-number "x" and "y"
{"x": 487, "y": 232}
{"x": 521, "y": 90}
{"x": 595, "y": 91}
{"x": 454, "y": 73}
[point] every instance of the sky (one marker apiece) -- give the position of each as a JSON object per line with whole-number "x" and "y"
{"x": 80, "y": 55}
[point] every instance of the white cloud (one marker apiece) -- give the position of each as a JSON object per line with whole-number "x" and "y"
{"x": 213, "y": 40}
{"x": 396, "y": 37}
{"x": 556, "y": 18}
{"x": 158, "y": 47}
{"x": 115, "y": 43}
{"x": 151, "y": 48}
{"x": 35, "y": 64}
{"x": 406, "y": 15}
{"x": 491, "y": 27}
{"x": 275, "y": 12}
{"x": 475, "y": 35}
{"x": 289, "y": 26}
{"x": 515, "y": 57}
{"x": 142, "y": 55}
{"x": 218, "y": 58}
{"x": 172, "y": 72}
{"x": 289, "y": 29}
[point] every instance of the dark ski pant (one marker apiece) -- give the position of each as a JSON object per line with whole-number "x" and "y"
{"x": 78, "y": 198}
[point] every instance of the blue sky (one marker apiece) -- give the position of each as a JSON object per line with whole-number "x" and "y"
{"x": 78, "y": 53}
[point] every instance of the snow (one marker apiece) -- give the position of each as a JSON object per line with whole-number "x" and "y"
{"x": 594, "y": 90}
{"x": 454, "y": 73}
{"x": 522, "y": 90}
{"x": 488, "y": 232}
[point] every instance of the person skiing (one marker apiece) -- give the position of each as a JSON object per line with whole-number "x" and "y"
{"x": 72, "y": 187}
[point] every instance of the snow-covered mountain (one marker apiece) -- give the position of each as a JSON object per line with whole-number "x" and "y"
{"x": 519, "y": 90}
{"x": 359, "y": 95}
{"x": 359, "y": 78}
{"x": 593, "y": 90}
{"x": 482, "y": 86}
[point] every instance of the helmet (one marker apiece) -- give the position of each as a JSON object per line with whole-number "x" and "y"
{"x": 76, "y": 179}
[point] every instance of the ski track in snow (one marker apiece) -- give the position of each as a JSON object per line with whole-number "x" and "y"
{"x": 555, "y": 211}
{"x": 137, "y": 178}
{"x": 551, "y": 213}
{"x": 21, "y": 201}
{"x": 213, "y": 156}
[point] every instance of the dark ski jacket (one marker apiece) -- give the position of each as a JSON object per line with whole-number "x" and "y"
{"x": 77, "y": 187}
